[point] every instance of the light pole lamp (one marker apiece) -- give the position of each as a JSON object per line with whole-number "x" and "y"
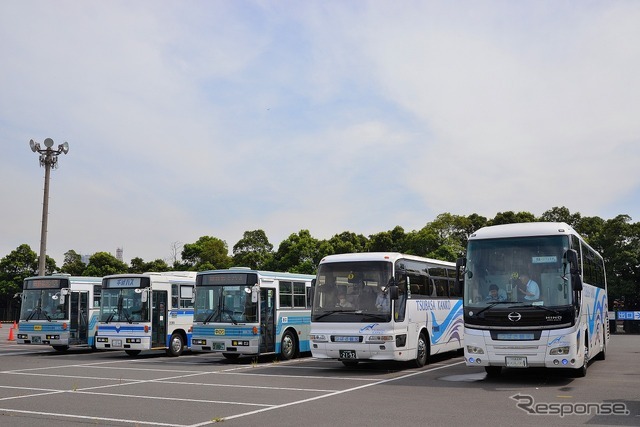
{"x": 48, "y": 159}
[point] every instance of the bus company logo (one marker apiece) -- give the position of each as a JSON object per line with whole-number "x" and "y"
{"x": 219, "y": 332}
{"x": 37, "y": 327}
{"x": 368, "y": 327}
{"x": 514, "y": 316}
{"x": 554, "y": 318}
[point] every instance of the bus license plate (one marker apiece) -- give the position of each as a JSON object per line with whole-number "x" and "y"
{"x": 347, "y": 354}
{"x": 117, "y": 343}
{"x": 36, "y": 339}
{"x": 516, "y": 362}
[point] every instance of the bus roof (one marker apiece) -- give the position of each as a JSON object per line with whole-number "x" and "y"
{"x": 523, "y": 229}
{"x": 74, "y": 279}
{"x": 379, "y": 256}
{"x": 261, "y": 273}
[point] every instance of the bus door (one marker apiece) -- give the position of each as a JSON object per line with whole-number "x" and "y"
{"x": 159, "y": 319}
{"x": 267, "y": 320}
{"x": 79, "y": 318}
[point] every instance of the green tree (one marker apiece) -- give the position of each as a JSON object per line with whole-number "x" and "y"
{"x": 388, "y": 241}
{"x": 207, "y": 253}
{"x": 562, "y": 214}
{"x": 103, "y": 264}
{"x": 511, "y": 217}
{"x": 73, "y": 264}
{"x": 297, "y": 254}
{"x": 139, "y": 266}
{"x": 254, "y": 250}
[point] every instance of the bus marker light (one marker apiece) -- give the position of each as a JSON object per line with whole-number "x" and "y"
{"x": 146, "y": 329}
{"x": 64, "y": 326}
{"x": 255, "y": 330}
{"x": 565, "y": 361}
{"x": 471, "y": 360}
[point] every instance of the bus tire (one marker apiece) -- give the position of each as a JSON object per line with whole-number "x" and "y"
{"x": 132, "y": 352}
{"x": 493, "y": 371}
{"x": 288, "y": 346}
{"x": 176, "y": 345}
{"x": 60, "y": 348}
{"x": 422, "y": 351}
{"x": 581, "y": 372}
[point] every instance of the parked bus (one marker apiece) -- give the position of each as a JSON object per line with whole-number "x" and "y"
{"x": 250, "y": 312}
{"x": 551, "y": 309}
{"x": 385, "y": 306}
{"x": 150, "y": 311}
{"x": 59, "y": 310}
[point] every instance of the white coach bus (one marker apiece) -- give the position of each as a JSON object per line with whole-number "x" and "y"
{"x": 250, "y": 312}
{"x": 549, "y": 303}
{"x": 150, "y": 311}
{"x": 385, "y": 306}
{"x": 59, "y": 310}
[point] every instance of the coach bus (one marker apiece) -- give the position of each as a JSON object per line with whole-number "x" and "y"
{"x": 548, "y": 306}
{"x": 59, "y": 310}
{"x": 150, "y": 311}
{"x": 385, "y": 306}
{"x": 240, "y": 311}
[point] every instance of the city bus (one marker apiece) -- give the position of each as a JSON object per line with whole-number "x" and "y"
{"x": 150, "y": 311}
{"x": 240, "y": 311}
{"x": 385, "y": 306}
{"x": 552, "y": 305}
{"x": 59, "y": 310}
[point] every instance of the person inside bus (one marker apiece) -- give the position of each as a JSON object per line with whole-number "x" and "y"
{"x": 528, "y": 287}
{"x": 496, "y": 294}
{"x": 382, "y": 300}
{"x": 342, "y": 300}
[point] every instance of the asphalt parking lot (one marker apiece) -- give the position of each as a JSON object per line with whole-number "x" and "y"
{"x": 81, "y": 387}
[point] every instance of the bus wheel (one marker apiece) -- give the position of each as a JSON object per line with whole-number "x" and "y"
{"x": 132, "y": 352}
{"x": 493, "y": 371}
{"x": 60, "y": 348}
{"x": 176, "y": 345}
{"x": 422, "y": 353}
{"x": 582, "y": 371}
{"x": 288, "y": 346}
{"x": 231, "y": 356}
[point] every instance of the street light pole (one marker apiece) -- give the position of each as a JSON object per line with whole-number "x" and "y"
{"x": 48, "y": 159}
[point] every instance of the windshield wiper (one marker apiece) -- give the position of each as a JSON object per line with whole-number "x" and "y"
{"x": 543, "y": 307}
{"x": 493, "y": 305}
{"x": 210, "y": 316}
{"x": 327, "y": 313}
{"x": 110, "y": 317}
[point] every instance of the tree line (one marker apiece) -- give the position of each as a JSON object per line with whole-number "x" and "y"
{"x": 617, "y": 239}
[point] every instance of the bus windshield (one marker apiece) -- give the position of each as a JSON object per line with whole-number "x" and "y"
{"x": 43, "y": 304}
{"x": 123, "y": 305}
{"x": 352, "y": 292}
{"x": 526, "y": 270}
{"x": 225, "y": 304}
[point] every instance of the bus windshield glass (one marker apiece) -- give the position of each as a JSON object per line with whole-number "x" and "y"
{"x": 352, "y": 292}
{"x": 124, "y": 305}
{"x": 225, "y": 304}
{"x": 527, "y": 270}
{"x": 43, "y": 304}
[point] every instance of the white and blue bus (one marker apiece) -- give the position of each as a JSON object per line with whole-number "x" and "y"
{"x": 59, "y": 310}
{"x": 385, "y": 306}
{"x": 150, "y": 311}
{"x": 240, "y": 311}
{"x": 549, "y": 303}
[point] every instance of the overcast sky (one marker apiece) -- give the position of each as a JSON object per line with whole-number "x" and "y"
{"x": 212, "y": 118}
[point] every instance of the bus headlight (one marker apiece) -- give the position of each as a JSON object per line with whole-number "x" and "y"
{"x": 559, "y": 350}
{"x": 472, "y": 349}
{"x": 318, "y": 337}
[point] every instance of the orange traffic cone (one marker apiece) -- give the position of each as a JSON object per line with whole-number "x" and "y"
{"x": 0, "y": 325}
{"x": 11, "y": 337}
{"x": 14, "y": 325}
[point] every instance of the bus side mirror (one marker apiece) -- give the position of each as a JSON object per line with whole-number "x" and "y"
{"x": 576, "y": 279}
{"x": 254, "y": 293}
